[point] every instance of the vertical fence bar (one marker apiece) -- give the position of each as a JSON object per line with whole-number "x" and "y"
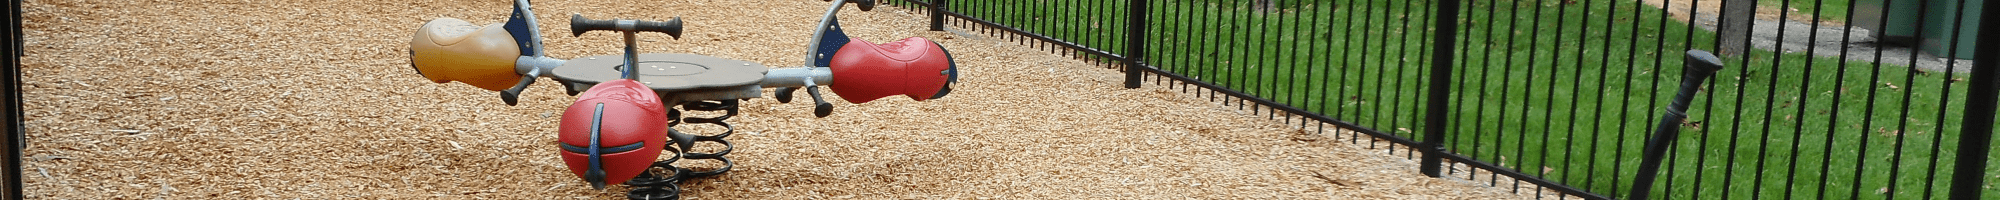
{"x": 1035, "y": 22}
{"x": 1736, "y": 126}
{"x": 1702, "y": 147}
{"x": 1528, "y": 89}
{"x": 1958, "y": 24}
{"x": 1506, "y": 67}
{"x": 1411, "y": 151}
{"x": 1549, "y": 100}
{"x": 1330, "y": 106}
{"x": 1180, "y": 56}
{"x": 1485, "y": 61}
{"x": 1237, "y": 73}
{"x": 1854, "y": 189}
{"x": 1467, "y": 63}
{"x": 937, "y": 15}
{"x": 1155, "y": 55}
{"x": 1976, "y": 132}
{"x": 1792, "y": 164}
{"x": 1440, "y": 88}
{"x": 1292, "y": 62}
{"x": 1576, "y": 103}
{"x": 1064, "y": 31}
{"x": 1207, "y": 62}
{"x": 960, "y": 22}
{"x": 1402, "y": 57}
{"x": 1100, "y": 37}
{"x": 1909, "y": 81}
{"x": 1826, "y": 160}
{"x": 1253, "y": 51}
{"x": 1604, "y": 79}
{"x": 1368, "y": 25}
{"x": 1347, "y": 59}
{"x": 1135, "y": 41}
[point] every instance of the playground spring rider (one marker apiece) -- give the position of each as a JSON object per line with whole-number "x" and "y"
{"x": 618, "y": 127}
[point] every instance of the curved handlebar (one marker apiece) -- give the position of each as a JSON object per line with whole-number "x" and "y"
{"x": 579, "y": 25}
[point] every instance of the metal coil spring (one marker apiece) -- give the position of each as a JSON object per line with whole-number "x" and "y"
{"x": 663, "y": 182}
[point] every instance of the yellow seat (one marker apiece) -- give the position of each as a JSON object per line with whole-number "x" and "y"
{"x": 449, "y": 49}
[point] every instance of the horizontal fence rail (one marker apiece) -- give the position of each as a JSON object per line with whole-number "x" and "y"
{"x": 1556, "y": 97}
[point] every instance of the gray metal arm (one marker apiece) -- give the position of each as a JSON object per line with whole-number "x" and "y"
{"x": 797, "y": 77}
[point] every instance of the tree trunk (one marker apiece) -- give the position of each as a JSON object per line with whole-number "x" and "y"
{"x": 1733, "y": 33}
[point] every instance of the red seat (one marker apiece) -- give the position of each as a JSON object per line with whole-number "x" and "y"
{"x": 613, "y": 132}
{"x": 914, "y": 67}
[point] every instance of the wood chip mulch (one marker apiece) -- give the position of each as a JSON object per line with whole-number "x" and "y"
{"x": 296, "y": 99}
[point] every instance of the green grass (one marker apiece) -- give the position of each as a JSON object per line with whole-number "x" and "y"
{"x": 1556, "y": 99}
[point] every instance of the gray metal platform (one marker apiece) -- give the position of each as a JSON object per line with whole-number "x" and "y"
{"x": 676, "y": 76}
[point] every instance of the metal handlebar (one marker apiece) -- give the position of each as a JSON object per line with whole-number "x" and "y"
{"x": 579, "y": 25}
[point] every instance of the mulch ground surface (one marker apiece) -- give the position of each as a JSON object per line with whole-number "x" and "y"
{"x": 295, "y": 99}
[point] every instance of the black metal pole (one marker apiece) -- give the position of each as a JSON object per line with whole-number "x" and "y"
{"x": 1434, "y": 109}
{"x": 937, "y": 15}
{"x": 1699, "y": 66}
{"x": 15, "y": 130}
{"x": 1976, "y": 136}
{"x": 1135, "y": 42}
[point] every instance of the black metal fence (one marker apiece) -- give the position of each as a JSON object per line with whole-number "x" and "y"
{"x": 1561, "y": 94}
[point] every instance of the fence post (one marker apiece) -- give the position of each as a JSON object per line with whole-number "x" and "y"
{"x": 1135, "y": 42}
{"x": 1976, "y": 132}
{"x": 15, "y": 129}
{"x": 1434, "y": 107}
{"x": 937, "y": 15}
